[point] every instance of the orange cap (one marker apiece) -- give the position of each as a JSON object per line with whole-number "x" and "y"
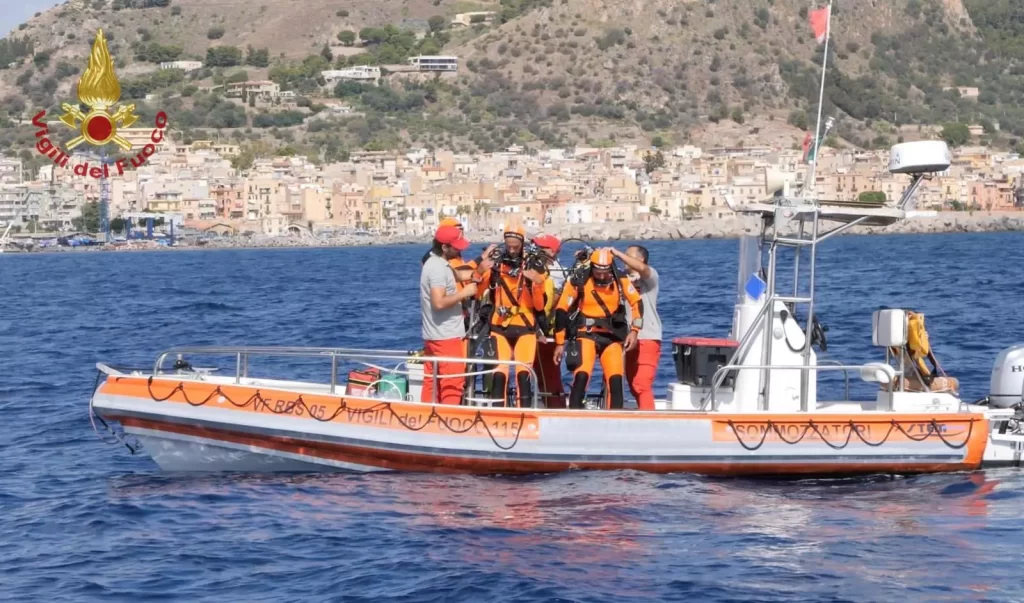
{"x": 450, "y": 222}
{"x": 546, "y": 241}
{"x": 450, "y": 235}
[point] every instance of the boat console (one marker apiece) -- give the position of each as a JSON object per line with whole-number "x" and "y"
{"x": 768, "y": 363}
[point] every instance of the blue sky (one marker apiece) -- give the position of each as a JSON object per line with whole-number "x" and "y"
{"x": 16, "y": 12}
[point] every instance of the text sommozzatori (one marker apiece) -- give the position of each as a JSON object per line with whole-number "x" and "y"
{"x": 60, "y": 158}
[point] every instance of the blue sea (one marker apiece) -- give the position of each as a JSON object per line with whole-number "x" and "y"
{"x": 82, "y": 520}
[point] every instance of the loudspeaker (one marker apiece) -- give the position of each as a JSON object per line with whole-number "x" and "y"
{"x": 776, "y": 182}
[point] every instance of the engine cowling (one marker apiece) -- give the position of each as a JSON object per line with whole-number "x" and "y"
{"x": 1007, "y": 386}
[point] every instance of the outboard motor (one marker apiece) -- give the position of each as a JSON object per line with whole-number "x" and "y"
{"x": 1007, "y": 387}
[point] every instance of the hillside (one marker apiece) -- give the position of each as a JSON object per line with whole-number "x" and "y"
{"x": 545, "y": 72}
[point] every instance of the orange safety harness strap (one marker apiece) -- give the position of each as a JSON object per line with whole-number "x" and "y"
{"x": 512, "y": 298}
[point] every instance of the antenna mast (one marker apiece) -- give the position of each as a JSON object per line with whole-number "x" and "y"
{"x": 809, "y": 185}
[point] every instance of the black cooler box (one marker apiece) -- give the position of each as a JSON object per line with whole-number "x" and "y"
{"x": 698, "y": 358}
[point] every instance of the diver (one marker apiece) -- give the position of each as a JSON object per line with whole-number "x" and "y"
{"x": 516, "y": 294}
{"x": 591, "y": 316}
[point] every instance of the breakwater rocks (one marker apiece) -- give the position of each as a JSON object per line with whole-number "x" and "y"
{"x": 701, "y": 228}
{"x": 737, "y": 226}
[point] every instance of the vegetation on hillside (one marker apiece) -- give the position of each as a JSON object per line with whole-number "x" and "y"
{"x": 389, "y": 45}
{"x": 12, "y": 49}
{"x": 556, "y": 72}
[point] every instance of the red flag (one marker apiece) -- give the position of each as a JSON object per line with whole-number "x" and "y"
{"x": 807, "y": 146}
{"x": 818, "y": 19}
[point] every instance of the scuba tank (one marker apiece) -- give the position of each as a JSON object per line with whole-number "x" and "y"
{"x": 482, "y": 344}
{"x": 577, "y": 276}
{"x": 488, "y": 351}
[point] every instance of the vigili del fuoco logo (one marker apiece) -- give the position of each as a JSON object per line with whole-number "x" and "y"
{"x": 99, "y": 90}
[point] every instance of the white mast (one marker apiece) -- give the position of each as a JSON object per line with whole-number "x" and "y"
{"x": 809, "y": 185}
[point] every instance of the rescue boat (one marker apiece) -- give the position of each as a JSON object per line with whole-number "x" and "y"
{"x": 745, "y": 405}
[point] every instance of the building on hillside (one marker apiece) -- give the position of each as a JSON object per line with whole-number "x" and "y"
{"x": 364, "y": 74}
{"x": 230, "y": 199}
{"x": 11, "y": 171}
{"x": 339, "y": 108}
{"x": 224, "y": 150}
{"x": 435, "y": 63}
{"x": 260, "y": 89}
{"x": 140, "y": 137}
{"x": 971, "y": 92}
{"x": 16, "y": 206}
{"x": 482, "y": 17}
{"x": 185, "y": 66}
{"x": 993, "y": 195}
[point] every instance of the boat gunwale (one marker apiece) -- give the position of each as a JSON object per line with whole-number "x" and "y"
{"x": 962, "y": 414}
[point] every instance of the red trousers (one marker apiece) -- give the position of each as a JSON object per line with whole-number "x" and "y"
{"x": 449, "y": 388}
{"x": 641, "y": 369}
{"x": 549, "y": 375}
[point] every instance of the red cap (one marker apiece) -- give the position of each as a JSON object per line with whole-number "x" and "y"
{"x": 547, "y": 241}
{"x": 451, "y": 235}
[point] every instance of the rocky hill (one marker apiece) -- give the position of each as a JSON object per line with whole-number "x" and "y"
{"x": 544, "y": 72}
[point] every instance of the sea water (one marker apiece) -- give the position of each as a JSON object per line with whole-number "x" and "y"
{"x": 83, "y": 520}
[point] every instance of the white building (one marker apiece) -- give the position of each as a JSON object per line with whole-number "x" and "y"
{"x": 435, "y": 63}
{"x": 10, "y": 171}
{"x": 185, "y": 66}
{"x": 362, "y": 73}
{"x": 484, "y": 17}
{"x": 262, "y": 89}
{"x": 578, "y": 213}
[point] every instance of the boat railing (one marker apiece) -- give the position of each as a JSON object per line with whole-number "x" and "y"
{"x": 846, "y": 375}
{"x": 372, "y": 358}
{"x": 890, "y": 372}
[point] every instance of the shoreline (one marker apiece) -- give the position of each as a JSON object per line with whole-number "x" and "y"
{"x": 654, "y": 230}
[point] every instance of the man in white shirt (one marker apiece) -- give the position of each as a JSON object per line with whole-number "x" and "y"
{"x": 642, "y": 360}
{"x": 444, "y": 329}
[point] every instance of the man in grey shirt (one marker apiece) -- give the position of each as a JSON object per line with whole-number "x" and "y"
{"x": 443, "y": 330}
{"x": 642, "y": 360}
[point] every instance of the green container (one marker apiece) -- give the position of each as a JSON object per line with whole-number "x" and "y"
{"x": 393, "y": 387}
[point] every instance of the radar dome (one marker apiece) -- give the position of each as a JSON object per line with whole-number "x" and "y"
{"x": 920, "y": 157}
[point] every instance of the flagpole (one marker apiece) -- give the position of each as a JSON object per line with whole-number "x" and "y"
{"x": 809, "y": 186}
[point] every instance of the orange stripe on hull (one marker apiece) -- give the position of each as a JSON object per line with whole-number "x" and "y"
{"x": 512, "y": 424}
{"x": 420, "y": 462}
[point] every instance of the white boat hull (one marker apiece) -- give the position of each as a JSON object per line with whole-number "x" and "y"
{"x": 204, "y": 426}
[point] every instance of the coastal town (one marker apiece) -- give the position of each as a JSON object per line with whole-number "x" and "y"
{"x": 195, "y": 188}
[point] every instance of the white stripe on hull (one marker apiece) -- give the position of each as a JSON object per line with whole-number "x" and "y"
{"x": 179, "y": 452}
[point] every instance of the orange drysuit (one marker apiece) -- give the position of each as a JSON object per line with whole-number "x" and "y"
{"x": 597, "y": 315}
{"x": 516, "y": 302}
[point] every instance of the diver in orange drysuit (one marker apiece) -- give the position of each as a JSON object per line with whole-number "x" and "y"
{"x": 594, "y": 312}
{"x": 517, "y": 295}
